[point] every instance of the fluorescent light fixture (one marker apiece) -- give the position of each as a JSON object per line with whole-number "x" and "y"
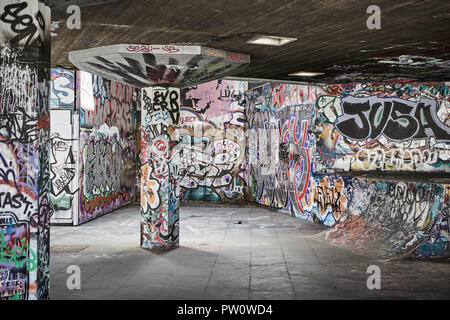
{"x": 305, "y": 74}
{"x": 271, "y": 40}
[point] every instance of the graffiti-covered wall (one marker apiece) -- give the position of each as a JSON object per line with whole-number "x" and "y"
{"x": 24, "y": 150}
{"x": 64, "y": 133}
{"x": 398, "y": 127}
{"x": 281, "y": 146}
{"x": 107, "y": 145}
{"x": 212, "y": 145}
{"x": 308, "y": 145}
{"x": 390, "y": 127}
{"x": 388, "y": 218}
{"x": 438, "y": 242}
{"x": 62, "y": 88}
{"x": 64, "y": 166}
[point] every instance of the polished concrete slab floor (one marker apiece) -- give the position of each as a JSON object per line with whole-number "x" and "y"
{"x": 265, "y": 256}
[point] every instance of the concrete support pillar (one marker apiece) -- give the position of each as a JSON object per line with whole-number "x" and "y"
{"x": 159, "y": 168}
{"x": 24, "y": 149}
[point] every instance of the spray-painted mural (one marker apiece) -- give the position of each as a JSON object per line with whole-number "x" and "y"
{"x": 438, "y": 243}
{"x": 397, "y": 127}
{"x": 281, "y": 146}
{"x": 64, "y": 166}
{"x": 64, "y": 133}
{"x": 107, "y": 145}
{"x": 388, "y": 127}
{"x": 400, "y": 127}
{"x": 212, "y": 141}
{"x": 160, "y": 189}
{"x": 388, "y": 219}
{"x": 62, "y": 87}
{"x": 24, "y": 150}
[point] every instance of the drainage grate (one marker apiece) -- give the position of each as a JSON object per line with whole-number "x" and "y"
{"x": 67, "y": 249}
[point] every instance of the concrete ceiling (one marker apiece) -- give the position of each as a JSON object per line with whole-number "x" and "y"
{"x": 413, "y": 42}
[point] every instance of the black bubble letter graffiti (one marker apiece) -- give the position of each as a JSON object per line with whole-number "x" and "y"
{"x": 353, "y": 124}
{"x": 402, "y": 126}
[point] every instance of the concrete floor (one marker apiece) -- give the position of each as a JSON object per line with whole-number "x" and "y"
{"x": 265, "y": 257}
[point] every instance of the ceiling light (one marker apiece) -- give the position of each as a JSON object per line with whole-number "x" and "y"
{"x": 271, "y": 40}
{"x": 305, "y": 74}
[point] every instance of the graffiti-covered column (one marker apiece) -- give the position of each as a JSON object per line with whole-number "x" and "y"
{"x": 24, "y": 149}
{"x": 159, "y": 168}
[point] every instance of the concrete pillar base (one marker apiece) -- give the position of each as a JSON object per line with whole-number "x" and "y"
{"x": 160, "y": 249}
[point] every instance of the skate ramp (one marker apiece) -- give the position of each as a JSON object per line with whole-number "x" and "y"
{"x": 388, "y": 219}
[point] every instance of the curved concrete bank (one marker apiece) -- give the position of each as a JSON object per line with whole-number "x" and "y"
{"x": 392, "y": 220}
